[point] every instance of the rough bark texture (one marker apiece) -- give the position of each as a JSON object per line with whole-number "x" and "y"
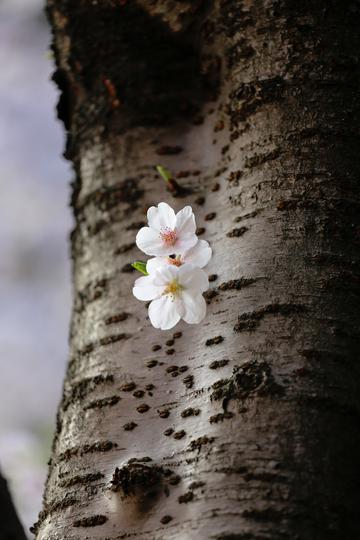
{"x": 10, "y": 526}
{"x": 245, "y": 427}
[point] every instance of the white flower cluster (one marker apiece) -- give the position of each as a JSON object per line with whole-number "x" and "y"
{"x": 175, "y": 282}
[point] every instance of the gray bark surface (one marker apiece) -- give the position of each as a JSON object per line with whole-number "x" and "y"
{"x": 245, "y": 427}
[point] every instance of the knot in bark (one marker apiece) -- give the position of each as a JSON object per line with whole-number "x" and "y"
{"x": 136, "y": 479}
{"x": 251, "y": 378}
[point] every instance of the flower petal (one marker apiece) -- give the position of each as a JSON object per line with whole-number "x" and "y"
{"x": 161, "y": 217}
{"x": 153, "y": 264}
{"x": 199, "y": 255}
{"x": 184, "y": 243}
{"x": 144, "y": 289}
{"x": 150, "y": 242}
{"x": 165, "y": 274}
{"x": 185, "y": 222}
{"x": 195, "y": 307}
{"x": 164, "y": 313}
{"x": 192, "y": 278}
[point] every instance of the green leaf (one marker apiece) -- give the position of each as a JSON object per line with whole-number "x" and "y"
{"x": 140, "y": 266}
{"x": 165, "y": 173}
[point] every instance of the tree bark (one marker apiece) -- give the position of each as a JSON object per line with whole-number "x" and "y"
{"x": 10, "y": 526}
{"x": 245, "y": 427}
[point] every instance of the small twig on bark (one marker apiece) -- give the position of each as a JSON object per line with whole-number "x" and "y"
{"x": 172, "y": 186}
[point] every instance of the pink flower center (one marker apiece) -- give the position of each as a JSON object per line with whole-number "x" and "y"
{"x": 176, "y": 262}
{"x": 168, "y": 236}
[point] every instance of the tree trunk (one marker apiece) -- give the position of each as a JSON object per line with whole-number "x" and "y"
{"x": 246, "y": 426}
{"x": 10, "y": 526}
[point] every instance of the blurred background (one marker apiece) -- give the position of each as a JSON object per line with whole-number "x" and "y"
{"x": 35, "y": 221}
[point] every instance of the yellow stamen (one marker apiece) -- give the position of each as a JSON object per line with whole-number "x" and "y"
{"x": 172, "y": 289}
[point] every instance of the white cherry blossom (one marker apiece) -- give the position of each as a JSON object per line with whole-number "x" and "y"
{"x": 198, "y": 255}
{"x": 167, "y": 233}
{"x": 176, "y": 293}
